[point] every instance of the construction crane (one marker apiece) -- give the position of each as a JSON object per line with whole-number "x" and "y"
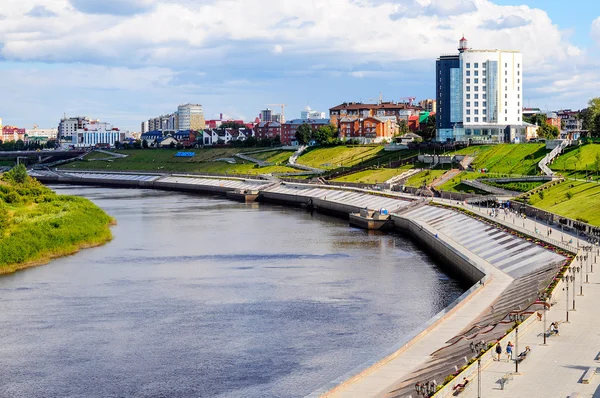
{"x": 408, "y": 100}
{"x": 282, "y": 111}
{"x": 379, "y": 100}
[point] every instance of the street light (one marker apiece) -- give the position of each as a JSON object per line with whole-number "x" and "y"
{"x": 517, "y": 319}
{"x": 566, "y": 279}
{"x": 544, "y": 298}
{"x": 574, "y": 271}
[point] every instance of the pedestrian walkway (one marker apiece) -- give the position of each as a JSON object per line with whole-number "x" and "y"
{"x": 554, "y": 370}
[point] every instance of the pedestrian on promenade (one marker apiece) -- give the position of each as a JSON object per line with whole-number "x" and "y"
{"x": 509, "y": 351}
{"x": 498, "y": 350}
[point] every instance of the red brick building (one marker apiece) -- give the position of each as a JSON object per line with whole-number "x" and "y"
{"x": 288, "y": 129}
{"x": 12, "y": 133}
{"x": 267, "y": 130}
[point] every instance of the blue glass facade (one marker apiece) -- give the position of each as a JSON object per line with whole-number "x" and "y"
{"x": 492, "y": 91}
{"x": 447, "y": 70}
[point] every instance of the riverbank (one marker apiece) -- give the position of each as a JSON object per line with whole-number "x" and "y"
{"x": 37, "y": 225}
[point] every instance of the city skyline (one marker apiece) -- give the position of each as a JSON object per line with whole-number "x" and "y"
{"x": 236, "y": 57}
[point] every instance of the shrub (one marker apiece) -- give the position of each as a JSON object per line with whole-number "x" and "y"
{"x": 569, "y": 195}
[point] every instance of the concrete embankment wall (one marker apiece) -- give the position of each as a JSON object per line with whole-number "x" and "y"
{"x": 450, "y": 258}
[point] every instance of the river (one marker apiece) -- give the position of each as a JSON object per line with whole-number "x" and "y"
{"x": 199, "y": 296}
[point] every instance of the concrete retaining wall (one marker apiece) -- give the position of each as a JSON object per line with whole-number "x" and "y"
{"x": 450, "y": 257}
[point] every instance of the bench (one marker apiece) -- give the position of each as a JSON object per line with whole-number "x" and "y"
{"x": 522, "y": 356}
{"x": 587, "y": 376}
{"x": 504, "y": 380}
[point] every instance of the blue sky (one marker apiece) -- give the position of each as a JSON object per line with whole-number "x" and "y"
{"x": 124, "y": 61}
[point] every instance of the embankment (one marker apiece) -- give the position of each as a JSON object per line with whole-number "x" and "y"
{"x": 37, "y": 225}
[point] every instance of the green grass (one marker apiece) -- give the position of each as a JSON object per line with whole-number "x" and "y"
{"x": 574, "y": 161}
{"x": 524, "y": 186}
{"x": 425, "y": 177}
{"x": 455, "y": 185}
{"x": 163, "y": 160}
{"x": 573, "y": 199}
{"x": 36, "y": 224}
{"x": 277, "y": 157}
{"x": 373, "y": 176}
{"x": 521, "y": 159}
{"x": 339, "y": 156}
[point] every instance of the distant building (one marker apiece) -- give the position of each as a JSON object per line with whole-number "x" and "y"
{"x": 68, "y": 126}
{"x": 429, "y": 105}
{"x": 371, "y": 129}
{"x": 528, "y": 112}
{"x": 12, "y": 133}
{"x": 267, "y": 130}
{"x": 350, "y": 111}
{"x": 308, "y": 113}
{"x": 190, "y": 117}
{"x": 571, "y": 120}
{"x": 553, "y": 120}
{"x": 145, "y": 127}
{"x": 97, "y": 133}
{"x": 41, "y": 134}
{"x": 479, "y": 95}
{"x": 289, "y": 128}
{"x": 266, "y": 115}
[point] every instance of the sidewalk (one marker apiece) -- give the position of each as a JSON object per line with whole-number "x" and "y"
{"x": 554, "y": 370}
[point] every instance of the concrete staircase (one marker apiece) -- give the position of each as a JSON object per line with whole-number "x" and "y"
{"x": 447, "y": 176}
{"x": 543, "y": 164}
{"x": 490, "y": 189}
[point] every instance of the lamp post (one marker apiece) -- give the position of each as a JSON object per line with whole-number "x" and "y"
{"x": 544, "y": 299}
{"x": 517, "y": 319}
{"x": 566, "y": 279}
{"x": 574, "y": 271}
{"x": 479, "y": 377}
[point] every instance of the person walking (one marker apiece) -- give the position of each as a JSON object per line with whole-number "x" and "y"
{"x": 498, "y": 350}
{"x": 509, "y": 351}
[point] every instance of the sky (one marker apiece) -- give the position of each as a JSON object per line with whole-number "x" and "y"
{"x": 124, "y": 61}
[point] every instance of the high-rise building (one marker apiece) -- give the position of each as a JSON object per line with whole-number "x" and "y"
{"x": 266, "y": 115}
{"x": 189, "y": 117}
{"x": 68, "y": 126}
{"x": 479, "y": 95}
{"x": 308, "y": 113}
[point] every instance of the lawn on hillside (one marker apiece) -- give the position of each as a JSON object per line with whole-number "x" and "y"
{"x": 163, "y": 160}
{"x": 579, "y": 162}
{"x": 339, "y": 156}
{"x": 520, "y": 159}
{"x": 373, "y": 176}
{"x": 455, "y": 185}
{"x": 425, "y": 177}
{"x": 573, "y": 199}
{"x": 276, "y": 157}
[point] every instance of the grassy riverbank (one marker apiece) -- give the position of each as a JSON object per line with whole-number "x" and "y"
{"x": 37, "y": 225}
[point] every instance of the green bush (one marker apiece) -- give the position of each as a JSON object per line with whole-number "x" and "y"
{"x": 569, "y": 195}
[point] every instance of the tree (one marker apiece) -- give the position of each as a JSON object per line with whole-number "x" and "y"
{"x": 304, "y": 134}
{"x": 548, "y": 131}
{"x": 17, "y": 174}
{"x": 118, "y": 144}
{"x": 428, "y": 131}
{"x": 231, "y": 125}
{"x": 145, "y": 144}
{"x": 172, "y": 145}
{"x": 324, "y": 134}
{"x": 403, "y": 126}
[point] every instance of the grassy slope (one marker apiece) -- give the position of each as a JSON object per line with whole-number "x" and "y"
{"x": 339, "y": 156}
{"x": 277, "y": 157}
{"x": 373, "y": 176}
{"x": 511, "y": 158}
{"x": 164, "y": 160}
{"x": 425, "y": 177}
{"x": 584, "y": 202}
{"x": 570, "y": 159}
{"x": 38, "y": 225}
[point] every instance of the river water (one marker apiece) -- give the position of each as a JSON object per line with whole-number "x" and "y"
{"x": 199, "y": 296}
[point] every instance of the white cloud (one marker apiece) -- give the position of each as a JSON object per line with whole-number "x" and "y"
{"x": 278, "y": 49}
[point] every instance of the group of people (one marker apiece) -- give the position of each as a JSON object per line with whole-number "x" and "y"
{"x": 509, "y": 351}
{"x": 554, "y": 329}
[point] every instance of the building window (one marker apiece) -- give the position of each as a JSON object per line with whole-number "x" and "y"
{"x": 468, "y": 88}
{"x": 468, "y": 64}
{"x": 468, "y": 96}
{"x": 518, "y": 80}
{"x": 484, "y": 119}
{"x": 518, "y": 104}
{"x": 505, "y": 103}
{"x": 518, "y": 73}
{"x": 468, "y": 104}
{"x": 476, "y": 97}
{"x": 506, "y": 65}
{"x": 484, "y": 104}
{"x": 518, "y": 119}
{"x": 476, "y": 65}
{"x": 505, "y": 88}
{"x": 518, "y": 65}
{"x": 476, "y": 103}
{"x": 484, "y": 81}
{"x": 483, "y": 89}
{"x": 468, "y": 120}
{"x": 518, "y": 111}
{"x": 506, "y": 119}
{"x": 476, "y": 88}
{"x": 468, "y": 73}
{"x": 476, "y": 81}
{"x": 506, "y": 111}
{"x": 476, "y": 73}
{"x": 505, "y": 95}
{"x": 476, "y": 119}
{"x": 468, "y": 111}
{"x": 468, "y": 81}
{"x": 518, "y": 88}
{"x": 484, "y": 111}
{"x": 476, "y": 112}
{"x": 484, "y": 96}
{"x": 519, "y": 96}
